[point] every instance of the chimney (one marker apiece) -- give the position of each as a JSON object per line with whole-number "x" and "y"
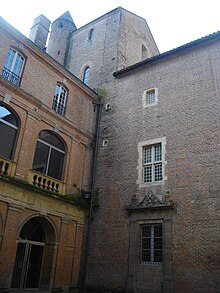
{"x": 39, "y": 31}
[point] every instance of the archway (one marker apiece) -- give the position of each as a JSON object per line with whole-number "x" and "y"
{"x": 34, "y": 256}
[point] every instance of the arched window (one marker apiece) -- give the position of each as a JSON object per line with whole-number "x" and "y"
{"x": 49, "y": 155}
{"x": 8, "y": 131}
{"x": 86, "y": 75}
{"x": 144, "y": 52}
{"x": 59, "y": 99}
{"x": 13, "y": 66}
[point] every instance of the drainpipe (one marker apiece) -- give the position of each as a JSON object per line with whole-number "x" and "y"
{"x": 97, "y": 105}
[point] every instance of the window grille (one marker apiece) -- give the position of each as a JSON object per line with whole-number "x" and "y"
{"x": 151, "y": 244}
{"x": 151, "y": 97}
{"x": 152, "y": 163}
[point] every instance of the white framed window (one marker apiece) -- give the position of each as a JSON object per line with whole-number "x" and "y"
{"x": 150, "y": 97}
{"x": 151, "y": 243}
{"x": 59, "y": 100}
{"x": 151, "y": 162}
{"x": 13, "y": 66}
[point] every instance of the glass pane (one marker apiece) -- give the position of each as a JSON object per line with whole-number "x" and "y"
{"x": 146, "y": 255}
{"x": 18, "y": 65}
{"x": 151, "y": 97}
{"x": 52, "y": 139}
{"x": 147, "y": 155}
{"x": 41, "y": 157}
{"x": 6, "y": 115}
{"x": 7, "y": 140}
{"x": 18, "y": 266}
{"x": 157, "y": 152}
{"x": 86, "y": 76}
{"x": 146, "y": 231}
{"x": 158, "y": 256}
{"x": 34, "y": 266}
{"x": 9, "y": 59}
{"x": 55, "y": 169}
{"x": 158, "y": 172}
{"x": 148, "y": 173}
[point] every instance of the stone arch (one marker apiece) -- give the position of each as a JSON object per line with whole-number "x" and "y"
{"x": 35, "y": 254}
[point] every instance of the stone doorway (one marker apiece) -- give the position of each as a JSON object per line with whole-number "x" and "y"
{"x": 34, "y": 256}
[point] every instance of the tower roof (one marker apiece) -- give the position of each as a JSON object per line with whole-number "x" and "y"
{"x": 66, "y": 16}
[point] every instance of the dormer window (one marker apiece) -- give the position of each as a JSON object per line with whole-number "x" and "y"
{"x": 59, "y": 100}
{"x": 86, "y": 75}
{"x": 13, "y": 66}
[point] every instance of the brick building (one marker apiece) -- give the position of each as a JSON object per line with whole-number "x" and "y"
{"x": 155, "y": 222}
{"x": 46, "y": 137}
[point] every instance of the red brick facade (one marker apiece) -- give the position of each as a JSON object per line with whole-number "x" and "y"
{"x": 159, "y": 165}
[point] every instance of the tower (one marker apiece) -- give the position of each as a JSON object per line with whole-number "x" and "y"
{"x": 60, "y": 31}
{"x": 39, "y": 31}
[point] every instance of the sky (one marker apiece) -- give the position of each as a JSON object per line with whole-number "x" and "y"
{"x": 172, "y": 22}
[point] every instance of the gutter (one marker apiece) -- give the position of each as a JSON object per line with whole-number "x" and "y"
{"x": 99, "y": 106}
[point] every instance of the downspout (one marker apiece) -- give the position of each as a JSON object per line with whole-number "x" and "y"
{"x": 97, "y": 105}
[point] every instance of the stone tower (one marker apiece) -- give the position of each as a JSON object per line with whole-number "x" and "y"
{"x": 58, "y": 43}
{"x": 39, "y": 31}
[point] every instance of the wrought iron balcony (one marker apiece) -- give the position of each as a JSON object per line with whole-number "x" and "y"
{"x": 11, "y": 76}
{"x": 45, "y": 182}
{"x": 7, "y": 167}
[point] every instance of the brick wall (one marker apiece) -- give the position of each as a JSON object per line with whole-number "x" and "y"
{"x": 186, "y": 115}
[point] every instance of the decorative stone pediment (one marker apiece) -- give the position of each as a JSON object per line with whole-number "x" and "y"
{"x": 150, "y": 200}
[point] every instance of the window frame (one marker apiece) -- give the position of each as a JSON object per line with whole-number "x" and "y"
{"x": 145, "y": 97}
{"x": 8, "y": 72}
{"x": 57, "y": 106}
{"x": 51, "y": 147}
{"x": 151, "y": 250}
{"x": 141, "y": 163}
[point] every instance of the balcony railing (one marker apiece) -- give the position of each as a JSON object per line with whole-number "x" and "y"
{"x": 45, "y": 182}
{"x": 11, "y": 76}
{"x": 7, "y": 167}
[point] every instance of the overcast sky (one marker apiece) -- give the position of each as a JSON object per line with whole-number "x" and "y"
{"x": 172, "y": 22}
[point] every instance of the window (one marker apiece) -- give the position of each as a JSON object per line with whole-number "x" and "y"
{"x": 144, "y": 52}
{"x": 59, "y": 100}
{"x": 149, "y": 97}
{"x": 151, "y": 243}
{"x": 13, "y": 66}
{"x": 8, "y": 132}
{"x": 151, "y": 162}
{"x": 49, "y": 155}
{"x": 90, "y": 35}
{"x": 86, "y": 75}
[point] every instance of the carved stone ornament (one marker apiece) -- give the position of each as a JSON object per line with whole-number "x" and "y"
{"x": 149, "y": 201}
